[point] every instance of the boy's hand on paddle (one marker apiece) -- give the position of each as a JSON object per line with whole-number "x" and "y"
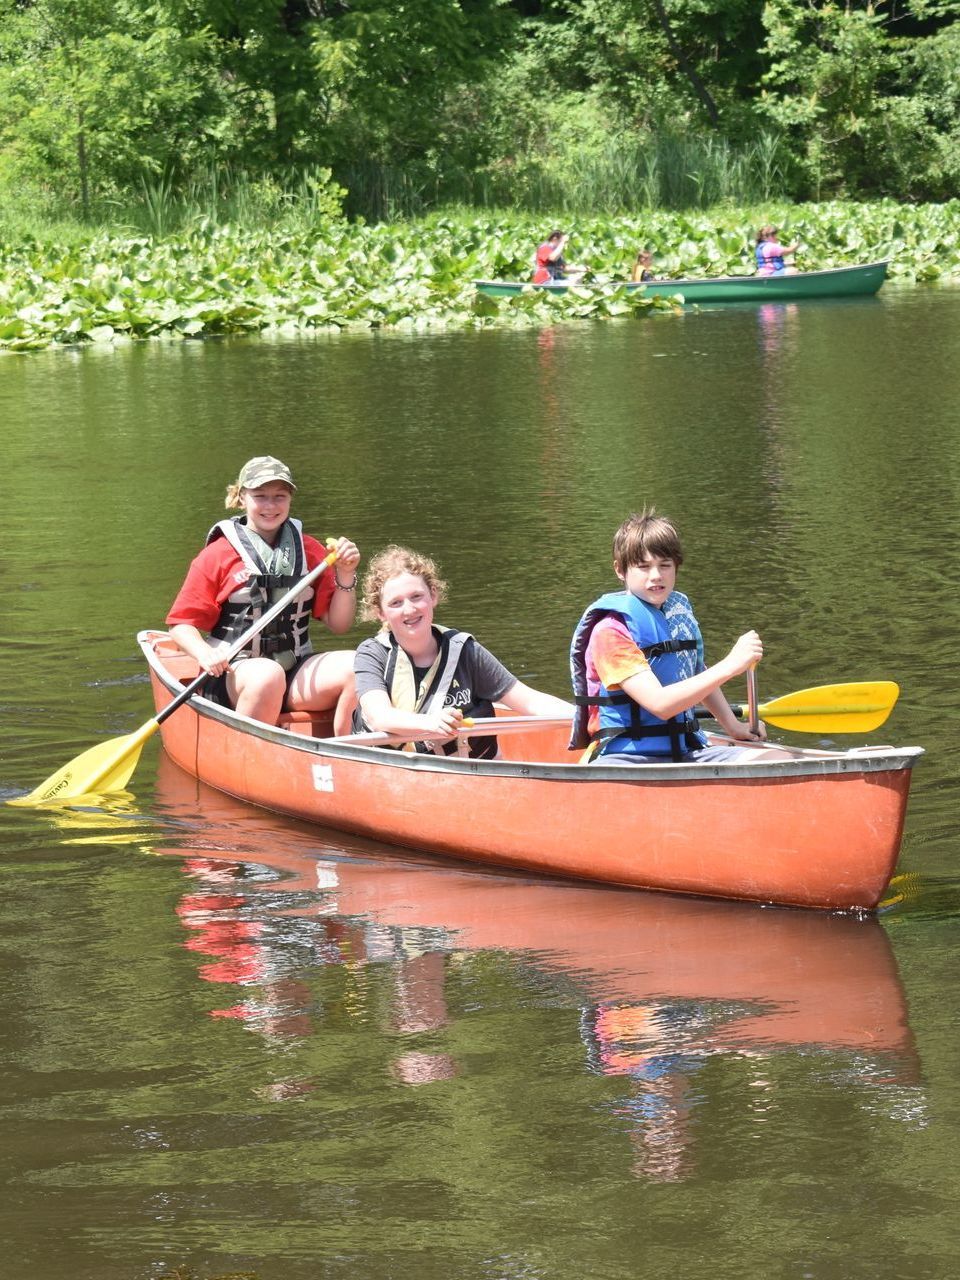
{"x": 745, "y": 653}
{"x": 740, "y": 731}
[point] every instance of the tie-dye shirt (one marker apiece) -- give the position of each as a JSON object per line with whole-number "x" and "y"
{"x": 612, "y": 657}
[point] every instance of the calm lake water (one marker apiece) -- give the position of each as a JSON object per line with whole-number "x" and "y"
{"x": 233, "y": 1043}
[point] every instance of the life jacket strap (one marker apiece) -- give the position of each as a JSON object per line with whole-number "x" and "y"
{"x": 682, "y": 735}
{"x": 606, "y": 700}
{"x": 668, "y": 646}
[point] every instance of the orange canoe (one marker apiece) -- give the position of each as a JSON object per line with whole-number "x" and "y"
{"x": 821, "y": 830}
{"x": 782, "y": 978}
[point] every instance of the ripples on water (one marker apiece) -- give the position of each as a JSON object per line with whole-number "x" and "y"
{"x": 232, "y": 1042}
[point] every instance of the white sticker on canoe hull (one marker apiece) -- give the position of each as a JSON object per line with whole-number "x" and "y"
{"x": 327, "y": 877}
{"x": 323, "y": 777}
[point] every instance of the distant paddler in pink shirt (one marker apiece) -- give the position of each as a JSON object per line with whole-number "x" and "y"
{"x": 770, "y": 254}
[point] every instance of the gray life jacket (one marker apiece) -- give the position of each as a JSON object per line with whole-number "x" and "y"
{"x": 289, "y": 632}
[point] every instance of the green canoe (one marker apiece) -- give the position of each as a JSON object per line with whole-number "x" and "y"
{"x": 835, "y": 282}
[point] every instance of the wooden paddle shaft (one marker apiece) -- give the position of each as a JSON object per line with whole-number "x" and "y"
{"x": 753, "y": 705}
{"x": 481, "y": 726}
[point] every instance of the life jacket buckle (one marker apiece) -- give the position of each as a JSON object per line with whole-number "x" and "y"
{"x": 270, "y": 645}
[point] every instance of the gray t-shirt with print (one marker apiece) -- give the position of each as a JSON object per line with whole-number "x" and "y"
{"x": 479, "y": 677}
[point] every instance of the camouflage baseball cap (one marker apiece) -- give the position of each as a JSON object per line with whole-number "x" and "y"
{"x": 259, "y": 471}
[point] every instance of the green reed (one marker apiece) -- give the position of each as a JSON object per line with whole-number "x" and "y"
{"x": 661, "y": 171}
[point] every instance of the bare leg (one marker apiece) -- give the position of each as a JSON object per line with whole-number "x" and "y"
{"x": 776, "y": 751}
{"x": 324, "y": 681}
{"x": 763, "y": 751}
{"x": 754, "y": 755}
{"x": 256, "y": 688}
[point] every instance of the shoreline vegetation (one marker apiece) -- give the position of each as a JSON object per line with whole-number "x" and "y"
{"x": 305, "y": 269}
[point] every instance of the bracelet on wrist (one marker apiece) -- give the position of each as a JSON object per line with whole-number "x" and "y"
{"x": 342, "y": 586}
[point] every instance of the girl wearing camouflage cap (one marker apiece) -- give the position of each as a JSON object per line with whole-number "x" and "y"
{"x": 248, "y": 562}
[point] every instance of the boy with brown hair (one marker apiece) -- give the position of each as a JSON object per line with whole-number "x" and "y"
{"x": 637, "y": 660}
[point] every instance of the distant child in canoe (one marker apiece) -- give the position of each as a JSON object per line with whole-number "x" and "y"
{"x": 248, "y": 562}
{"x": 549, "y": 263}
{"x": 771, "y": 254}
{"x": 420, "y": 678}
{"x": 637, "y": 660}
{"x": 643, "y": 267}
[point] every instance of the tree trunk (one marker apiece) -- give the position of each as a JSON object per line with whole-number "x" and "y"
{"x": 82, "y": 166}
{"x": 699, "y": 88}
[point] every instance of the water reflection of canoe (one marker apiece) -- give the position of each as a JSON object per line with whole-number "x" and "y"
{"x": 822, "y": 830}
{"x": 834, "y": 282}
{"x": 783, "y": 978}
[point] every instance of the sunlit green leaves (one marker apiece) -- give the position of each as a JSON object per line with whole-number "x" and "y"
{"x": 418, "y": 275}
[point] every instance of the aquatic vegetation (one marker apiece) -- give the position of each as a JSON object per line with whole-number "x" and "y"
{"x": 415, "y": 275}
{"x": 186, "y": 1273}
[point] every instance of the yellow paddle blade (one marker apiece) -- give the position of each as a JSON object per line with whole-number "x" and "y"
{"x": 108, "y": 767}
{"x": 103, "y": 768}
{"x": 834, "y": 708}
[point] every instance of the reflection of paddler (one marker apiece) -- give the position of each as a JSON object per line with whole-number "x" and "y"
{"x": 419, "y": 1002}
{"x": 217, "y": 931}
{"x": 242, "y": 950}
{"x": 649, "y": 1044}
{"x": 645, "y": 1041}
{"x": 620, "y": 1030}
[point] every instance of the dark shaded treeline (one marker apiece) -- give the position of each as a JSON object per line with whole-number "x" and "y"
{"x": 408, "y": 105}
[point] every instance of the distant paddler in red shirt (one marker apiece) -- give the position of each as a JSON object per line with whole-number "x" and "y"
{"x": 549, "y": 264}
{"x": 249, "y": 562}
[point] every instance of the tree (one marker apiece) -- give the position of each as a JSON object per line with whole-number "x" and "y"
{"x": 94, "y": 96}
{"x": 316, "y": 80}
{"x": 867, "y": 110}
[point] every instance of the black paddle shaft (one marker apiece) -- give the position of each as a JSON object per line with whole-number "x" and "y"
{"x": 242, "y": 641}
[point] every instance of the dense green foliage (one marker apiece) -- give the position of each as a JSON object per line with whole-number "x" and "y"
{"x": 331, "y": 275}
{"x": 593, "y": 105}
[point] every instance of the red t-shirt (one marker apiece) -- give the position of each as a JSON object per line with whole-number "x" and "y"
{"x": 541, "y": 272}
{"x": 218, "y": 571}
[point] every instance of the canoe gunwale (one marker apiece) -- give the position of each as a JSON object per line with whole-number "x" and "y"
{"x": 854, "y": 761}
{"x": 855, "y": 280}
{"x": 556, "y": 285}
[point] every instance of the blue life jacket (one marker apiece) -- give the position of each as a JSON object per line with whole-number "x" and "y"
{"x": 670, "y": 640}
{"x": 763, "y": 263}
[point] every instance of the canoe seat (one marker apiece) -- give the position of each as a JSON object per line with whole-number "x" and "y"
{"x": 182, "y": 667}
{"x": 312, "y": 724}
